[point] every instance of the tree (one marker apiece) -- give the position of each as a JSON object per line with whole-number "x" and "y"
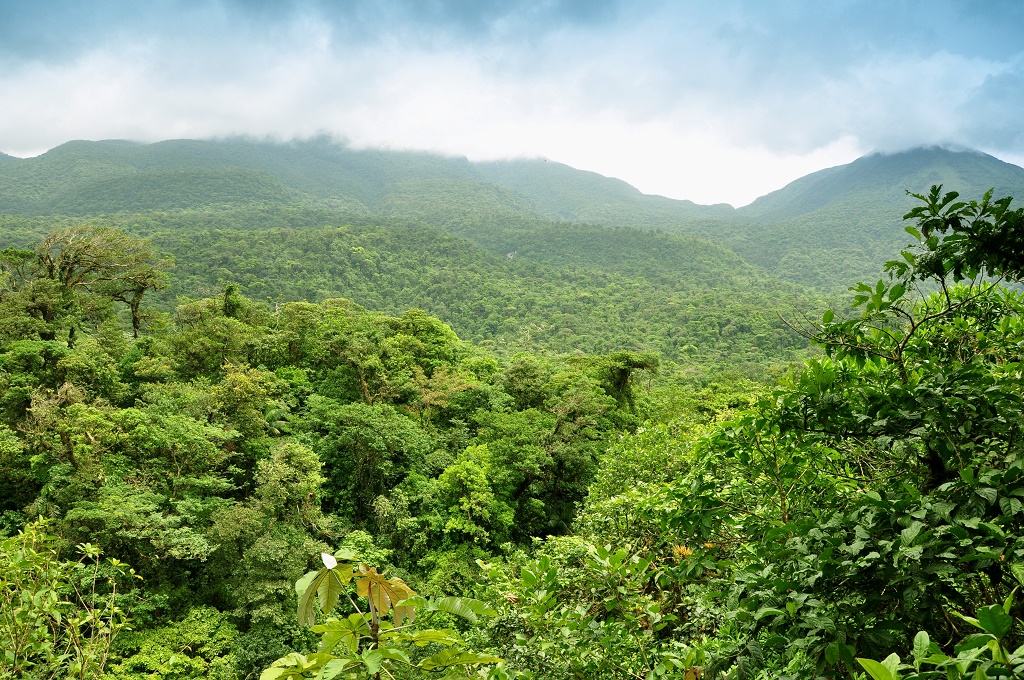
{"x": 73, "y": 272}
{"x": 102, "y": 261}
{"x": 878, "y": 487}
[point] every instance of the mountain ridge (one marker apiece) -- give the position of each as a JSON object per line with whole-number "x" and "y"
{"x": 824, "y": 230}
{"x": 323, "y": 169}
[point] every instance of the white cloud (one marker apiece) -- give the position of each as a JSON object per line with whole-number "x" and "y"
{"x": 714, "y": 108}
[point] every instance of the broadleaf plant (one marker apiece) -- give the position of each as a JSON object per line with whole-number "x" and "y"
{"x": 365, "y": 643}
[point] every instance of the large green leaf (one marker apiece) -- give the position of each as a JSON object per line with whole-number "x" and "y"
{"x": 453, "y": 657}
{"x": 327, "y": 585}
{"x": 303, "y": 583}
{"x": 395, "y": 654}
{"x": 336, "y": 667}
{"x": 922, "y": 648}
{"x": 876, "y": 670}
{"x": 467, "y": 608}
{"x": 421, "y": 638}
{"x": 345, "y": 631}
{"x": 294, "y": 665}
{"x": 994, "y": 620}
{"x": 372, "y": 659}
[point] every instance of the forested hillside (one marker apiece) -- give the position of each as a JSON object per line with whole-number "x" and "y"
{"x": 822, "y": 230}
{"x": 284, "y": 411}
{"x": 852, "y": 213}
{"x": 518, "y": 284}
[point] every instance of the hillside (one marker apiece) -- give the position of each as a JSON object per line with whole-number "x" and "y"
{"x": 835, "y": 225}
{"x": 576, "y": 404}
{"x": 823, "y": 230}
{"x": 75, "y": 178}
{"x": 565, "y": 289}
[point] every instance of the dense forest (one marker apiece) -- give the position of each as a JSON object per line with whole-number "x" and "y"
{"x": 449, "y": 435}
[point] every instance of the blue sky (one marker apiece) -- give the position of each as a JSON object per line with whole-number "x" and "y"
{"x": 711, "y": 101}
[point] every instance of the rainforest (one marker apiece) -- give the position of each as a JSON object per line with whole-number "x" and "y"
{"x": 303, "y": 411}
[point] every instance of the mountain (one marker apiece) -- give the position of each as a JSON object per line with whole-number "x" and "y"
{"x": 888, "y": 177}
{"x": 825, "y": 230}
{"x": 565, "y": 193}
{"x": 85, "y": 177}
{"x": 838, "y": 225}
{"x": 82, "y": 178}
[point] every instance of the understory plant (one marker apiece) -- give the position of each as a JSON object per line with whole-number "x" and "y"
{"x": 383, "y": 634}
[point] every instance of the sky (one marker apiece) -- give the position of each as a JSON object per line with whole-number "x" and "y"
{"x": 713, "y": 102}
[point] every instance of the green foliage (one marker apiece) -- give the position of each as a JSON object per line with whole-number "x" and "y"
{"x": 198, "y": 646}
{"x": 979, "y": 655}
{"x": 596, "y": 615}
{"x": 634, "y": 512}
{"x": 57, "y": 618}
{"x": 870, "y": 493}
{"x": 365, "y": 644}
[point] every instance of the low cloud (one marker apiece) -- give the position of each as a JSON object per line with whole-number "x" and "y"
{"x": 712, "y": 104}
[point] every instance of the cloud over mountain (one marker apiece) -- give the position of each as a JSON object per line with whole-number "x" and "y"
{"x": 680, "y": 99}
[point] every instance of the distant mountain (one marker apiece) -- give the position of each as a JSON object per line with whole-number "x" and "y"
{"x": 828, "y": 229}
{"x": 82, "y": 178}
{"x": 565, "y": 193}
{"x": 4, "y": 158}
{"x": 839, "y": 225}
{"x": 888, "y": 177}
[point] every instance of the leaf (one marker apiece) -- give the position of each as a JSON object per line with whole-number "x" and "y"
{"x": 307, "y": 614}
{"x": 467, "y": 608}
{"x": 372, "y": 659}
{"x": 294, "y": 665}
{"x": 329, "y": 561}
{"x": 969, "y": 619}
{"x": 908, "y": 535}
{"x": 345, "y": 555}
{"x": 303, "y": 583}
{"x": 347, "y": 631}
{"x": 275, "y": 673}
{"x": 329, "y": 591}
{"x": 404, "y": 614}
{"x": 767, "y": 611}
{"x": 994, "y": 620}
{"x": 922, "y": 646}
{"x": 452, "y": 657}
{"x": 382, "y": 592}
{"x": 327, "y": 585}
{"x": 336, "y": 667}
{"x": 1017, "y": 569}
{"x": 988, "y": 494}
{"x": 421, "y": 638}
{"x": 395, "y": 654}
{"x": 973, "y": 641}
{"x": 876, "y": 670}
{"x": 892, "y": 662}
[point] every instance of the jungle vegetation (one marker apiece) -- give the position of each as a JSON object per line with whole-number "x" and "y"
{"x": 291, "y": 441}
